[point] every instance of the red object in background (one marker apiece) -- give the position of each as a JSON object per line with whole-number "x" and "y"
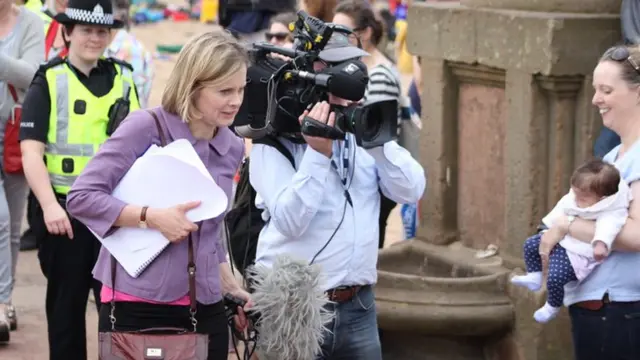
{"x": 12, "y": 157}
{"x": 179, "y": 16}
{"x": 50, "y": 38}
{"x": 393, "y": 4}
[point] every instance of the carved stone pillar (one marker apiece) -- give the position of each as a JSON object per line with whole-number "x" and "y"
{"x": 561, "y": 134}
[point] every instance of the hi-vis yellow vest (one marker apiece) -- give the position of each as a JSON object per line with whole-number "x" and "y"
{"x": 37, "y": 7}
{"x": 78, "y": 121}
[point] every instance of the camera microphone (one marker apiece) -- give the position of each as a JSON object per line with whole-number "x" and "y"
{"x": 347, "y": 80}
{"x": 270, "y": 48}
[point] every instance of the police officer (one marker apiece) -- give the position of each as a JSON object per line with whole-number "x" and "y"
{"x": 73, "y": 105}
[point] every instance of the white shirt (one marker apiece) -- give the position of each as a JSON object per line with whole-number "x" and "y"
{"x": 609, "y": 213}
{"x": 304, "y": 208}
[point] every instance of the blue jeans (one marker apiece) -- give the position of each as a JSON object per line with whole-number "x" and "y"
{"x": 611, "y": 333}
{"x": 354, "y": 330}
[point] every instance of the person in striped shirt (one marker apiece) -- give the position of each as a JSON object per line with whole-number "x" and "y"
{"x": 125, "y": 46}
{"x": 384, "y": 79}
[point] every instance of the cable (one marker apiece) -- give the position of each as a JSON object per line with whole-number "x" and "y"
{"x": 238, "y": 336}
{"x": 344, "y": 209}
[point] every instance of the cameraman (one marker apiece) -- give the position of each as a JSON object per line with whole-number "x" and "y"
{"x": 326, "y": 210}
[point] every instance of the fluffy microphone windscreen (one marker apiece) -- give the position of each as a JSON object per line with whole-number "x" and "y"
{"x": 291, "y": 304}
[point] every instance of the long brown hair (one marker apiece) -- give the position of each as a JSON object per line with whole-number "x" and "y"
{"x": 363, "y": 16}
{"x": 321, "y": 9}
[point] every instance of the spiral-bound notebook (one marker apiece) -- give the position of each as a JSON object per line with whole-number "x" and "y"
{"x": 134, "y": 256}
{"x": 162, "y": 178}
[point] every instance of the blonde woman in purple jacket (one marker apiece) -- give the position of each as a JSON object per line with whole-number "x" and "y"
{"x": 202, "y": 97}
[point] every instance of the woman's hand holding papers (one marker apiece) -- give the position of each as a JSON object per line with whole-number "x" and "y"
{"x": 172, "y": 222}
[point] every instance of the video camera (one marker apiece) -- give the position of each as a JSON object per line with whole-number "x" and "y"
{"x": 279, "y": 90}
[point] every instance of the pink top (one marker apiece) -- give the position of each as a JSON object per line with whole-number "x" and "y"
{"x": 106, "y": 295}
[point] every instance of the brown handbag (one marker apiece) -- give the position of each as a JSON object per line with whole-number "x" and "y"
{"x": 156, "y": 343}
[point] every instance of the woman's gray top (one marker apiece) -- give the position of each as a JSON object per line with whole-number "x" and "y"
{"x": 21, "y": 53}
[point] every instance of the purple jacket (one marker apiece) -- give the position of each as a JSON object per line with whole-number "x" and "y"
{"x": 90, "y": 201}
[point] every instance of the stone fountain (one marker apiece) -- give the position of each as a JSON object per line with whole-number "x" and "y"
{"x": 507, "y": 117}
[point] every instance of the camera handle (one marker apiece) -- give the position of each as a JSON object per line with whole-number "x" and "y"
{"x": 313, "y": 127}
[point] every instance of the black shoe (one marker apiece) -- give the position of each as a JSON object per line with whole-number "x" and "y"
{"x": 5, "y": 328}
{"x": 28, "y": 241}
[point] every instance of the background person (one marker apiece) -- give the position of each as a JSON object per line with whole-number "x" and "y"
{"x": 384, "y": 79}
{"x": 321, "y": 9}
{"x": 604, "y": 307}
{"x": 126, "y": 47}
{"x": 66, "y": 112}
{"x": 21, "y": 51}
{"x": 279, "y": 33}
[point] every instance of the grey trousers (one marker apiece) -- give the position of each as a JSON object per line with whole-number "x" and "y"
{"x": 13, "y": 198}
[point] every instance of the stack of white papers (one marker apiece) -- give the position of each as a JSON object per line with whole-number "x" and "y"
{"x": 163, "y": 177}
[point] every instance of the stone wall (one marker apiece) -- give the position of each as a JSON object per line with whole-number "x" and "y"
{"x": 507, "y": 113}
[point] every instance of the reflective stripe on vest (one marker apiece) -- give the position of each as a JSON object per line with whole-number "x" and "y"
{"x": 89, "y": 133}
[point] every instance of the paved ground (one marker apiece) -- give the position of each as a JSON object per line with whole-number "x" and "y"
{"x": 30, "y": 341}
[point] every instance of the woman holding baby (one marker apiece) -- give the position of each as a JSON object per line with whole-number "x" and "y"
{"x": 605, "y": 306}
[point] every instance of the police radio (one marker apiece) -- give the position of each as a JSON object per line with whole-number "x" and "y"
{"x": 118, "y": 111}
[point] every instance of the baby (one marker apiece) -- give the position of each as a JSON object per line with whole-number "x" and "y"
{"x": 597, "y": 193}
